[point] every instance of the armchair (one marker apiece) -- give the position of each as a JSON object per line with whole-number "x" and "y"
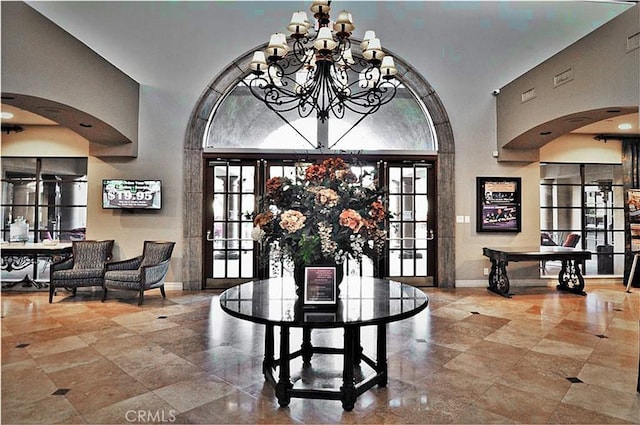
{"x": 85, "y": 267}
{"x": 141, "y": 273}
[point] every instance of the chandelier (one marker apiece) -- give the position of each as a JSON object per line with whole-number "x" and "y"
{"x": 316, "y": 69}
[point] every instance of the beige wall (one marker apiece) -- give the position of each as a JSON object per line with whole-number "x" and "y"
{"x": 580, "y": 148}
{"x": 44, "y": 140}
{"x": 600, "y": 72}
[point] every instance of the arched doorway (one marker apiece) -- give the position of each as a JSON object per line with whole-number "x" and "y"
{"x": 195, "y": 166}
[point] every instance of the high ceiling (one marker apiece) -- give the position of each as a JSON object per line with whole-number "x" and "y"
{"x": 152, "y": 41}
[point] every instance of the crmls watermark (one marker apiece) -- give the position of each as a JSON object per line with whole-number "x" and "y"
{"x": 150, "y": 416}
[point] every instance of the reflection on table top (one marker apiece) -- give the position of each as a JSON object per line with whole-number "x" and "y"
{"x": 536, "y": 253}
{"x": 362, "y": 301}
{"x": 17, "y": 248}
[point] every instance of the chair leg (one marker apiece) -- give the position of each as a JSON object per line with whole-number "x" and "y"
{"x": 73, "y": 291}
{"x": 51, "y": 291}
{"x": 141, "y": 297}
{"x": 104, "y": 293}
{"x": 162, "y": 292}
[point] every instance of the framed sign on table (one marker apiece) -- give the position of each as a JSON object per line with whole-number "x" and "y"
{"x": 320, "y": 287}
{"x": 499, "y": 206}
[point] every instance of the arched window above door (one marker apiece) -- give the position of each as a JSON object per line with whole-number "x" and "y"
{"x": 243, "y": 122}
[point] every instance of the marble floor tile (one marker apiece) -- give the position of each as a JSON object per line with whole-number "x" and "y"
{"x": 474, "y": 365}
{"x": 559, "y": 348}
{"x": 144, "y": 408}
{"x": 196, "y": 391}
{"x": 607, "y": 377}
{"x": 518, "y": 405}
{"x": 622, "y": 405}
{"x": 571, "y": 414}
{"x": 472, "y": 357}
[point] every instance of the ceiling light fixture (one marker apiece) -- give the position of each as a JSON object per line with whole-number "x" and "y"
{"x": 11, "y": 129}
{"x": 317, "y": 70}
{"x": 625, "y": 126}
{"x": 6, "y": 115}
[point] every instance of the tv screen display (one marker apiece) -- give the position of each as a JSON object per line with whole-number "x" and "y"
{"x": 132, "y": 194}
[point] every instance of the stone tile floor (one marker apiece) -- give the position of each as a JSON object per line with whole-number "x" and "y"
{"x": 472, "y": 357}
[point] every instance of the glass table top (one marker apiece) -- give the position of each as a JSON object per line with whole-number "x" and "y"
{"x": 362, "y": 301}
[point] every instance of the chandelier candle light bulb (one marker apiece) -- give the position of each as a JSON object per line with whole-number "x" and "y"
{"x": 388, "y": 67}
{"x": 299, "y": 23}
{"x": 259, "y": 62}
{"x": 368, "y": 35}
{"x": 344, "y": 23}
{"x": 324, "y": 41}
{"x": 374, "y": 50}
{"x": 277, "y": 46}
{"x": 320, "y": 6}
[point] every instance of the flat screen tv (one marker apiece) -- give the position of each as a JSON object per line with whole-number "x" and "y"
{"x": 132, "y": 194}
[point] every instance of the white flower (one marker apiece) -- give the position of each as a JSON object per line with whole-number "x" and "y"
{"x": 257, "y": 234}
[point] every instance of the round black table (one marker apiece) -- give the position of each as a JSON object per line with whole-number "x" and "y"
{"x": 363, "y": 301}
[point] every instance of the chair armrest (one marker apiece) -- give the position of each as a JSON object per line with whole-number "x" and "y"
{"x": 129, "y": 264}
{"x": 65, "y": 264}
{"x": 154, "y": 274}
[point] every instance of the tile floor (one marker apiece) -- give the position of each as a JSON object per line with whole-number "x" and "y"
{"x": 472, "y": 357}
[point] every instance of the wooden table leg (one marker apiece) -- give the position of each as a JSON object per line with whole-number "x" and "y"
{"x": 348, "y": 388}
{"x": 268, "y": 361}
{"x": 381, "y": 359}
{"x": 284, "y": 382}
{"x": 570, "y": 278}
{"x": 498, "y": 279}
{"x": 357, "y": 347}
{"x": 307, "y": 348}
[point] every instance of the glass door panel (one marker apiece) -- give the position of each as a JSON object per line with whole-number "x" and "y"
{"x": 411, "y": 248}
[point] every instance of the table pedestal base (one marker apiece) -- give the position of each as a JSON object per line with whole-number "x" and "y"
{"x": 352, "y": 354}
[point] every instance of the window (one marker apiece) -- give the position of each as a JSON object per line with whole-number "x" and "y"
{"x": 585, "y": 200}
{"x": 50, "y": 194}
{"x": 241, "y": 121}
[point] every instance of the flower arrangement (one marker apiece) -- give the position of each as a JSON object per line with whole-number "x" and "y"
{"x": 326, "y": 216}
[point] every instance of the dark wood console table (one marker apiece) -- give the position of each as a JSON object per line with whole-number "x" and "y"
{"x": 363, "y": 302}
{"x": 569, "y": 279}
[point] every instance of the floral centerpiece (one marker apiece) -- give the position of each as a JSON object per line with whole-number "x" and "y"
{"x": 324, "y": 217}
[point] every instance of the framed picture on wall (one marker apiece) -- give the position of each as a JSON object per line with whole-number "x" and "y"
{"x": 499, "y": 207}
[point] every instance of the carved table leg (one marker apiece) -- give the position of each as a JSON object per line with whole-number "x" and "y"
{"x": 357, "y": 347}
{"x": 284, "y": 383}
{"x": 498, "y": 279}
{"x": 381, "y": 359}
{"x": 267, "y": 363}
{"x": 307, "y": 348}
{"x": 570, "y": 278}
{"x": 348, "y": 388}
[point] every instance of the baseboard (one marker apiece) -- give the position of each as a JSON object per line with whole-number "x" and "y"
{"x": 173, "y": 286}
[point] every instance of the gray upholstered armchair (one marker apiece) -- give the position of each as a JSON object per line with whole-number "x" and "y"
{"x": 86, "y": 267}
{"x": 141, "y": 273}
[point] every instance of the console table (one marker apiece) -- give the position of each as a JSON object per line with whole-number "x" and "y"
{"x": 20, "y": 255}
{"x": 363, "y": 302}
{"x": 569, "y": 279}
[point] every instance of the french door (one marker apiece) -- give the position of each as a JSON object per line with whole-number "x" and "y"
{"x": 233, "y": 188}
